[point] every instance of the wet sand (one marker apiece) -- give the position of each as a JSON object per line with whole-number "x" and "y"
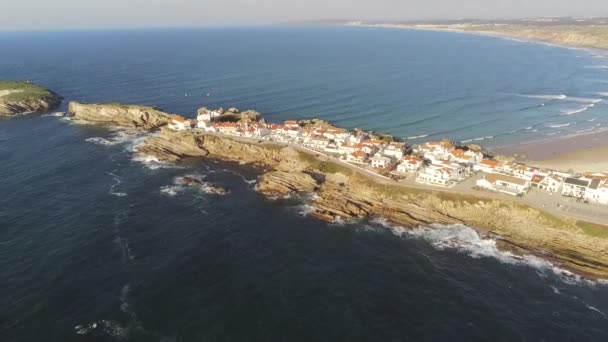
{"x": 582, "y": 153}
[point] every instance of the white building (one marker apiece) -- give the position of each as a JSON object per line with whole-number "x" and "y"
{"x": 409, "y": 164}
{"x": 179, "y": 123}
{"x": 597, "y": 192}
{"x": 524, "y": 172}
{"x": 487, "y": 166}
{"x": 380, "y": 162}
{"x": 395, "y": 150}
{"x": 435, "y": 150}
{"x": 465, "y": 157}
{"x": 551, "y": 183}
{"x": 503, "y": 183}
{"x": 575, "y": 187}
{"x": 357, "y": 157}
{"x": 205, "y": 114}
{"x": 436, "y": 175}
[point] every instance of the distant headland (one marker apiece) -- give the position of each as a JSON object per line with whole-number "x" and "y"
{"x": 566, "y": 31}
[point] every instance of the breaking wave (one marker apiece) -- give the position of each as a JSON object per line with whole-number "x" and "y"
{"x": 546, "y": 97}
{"x": 57, "y": 115}
{"x": 417, "y": 137}
{"x": 466, "y": 240}
{"x": 119, "y": 137}
{"x": 152, "y": 162}
{"x": 560, "y": 125}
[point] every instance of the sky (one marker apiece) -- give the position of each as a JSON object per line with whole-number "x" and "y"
{"x": 75, "y": 14}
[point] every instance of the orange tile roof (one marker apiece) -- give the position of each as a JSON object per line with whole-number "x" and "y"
{"x": 490, "y": 163}
{"x": 178, "y": 118}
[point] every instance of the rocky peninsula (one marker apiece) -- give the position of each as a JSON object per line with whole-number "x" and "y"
{"x": 342, "y": 193}
{"x": 21, "y": 97}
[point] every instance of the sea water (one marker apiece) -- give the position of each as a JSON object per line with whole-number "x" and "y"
{"x": 98, "y": 243}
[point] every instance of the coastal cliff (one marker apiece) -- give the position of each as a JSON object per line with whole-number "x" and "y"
{"x": 343, "y": 194}
{"x": 22, "y": 97}
{"x": 134, "y": 116}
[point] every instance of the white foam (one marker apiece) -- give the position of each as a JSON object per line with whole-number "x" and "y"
{"x": 560, "y": 125}
{"x": 603, "y": 94}
{"x": 111, "y": 328}
{"x": 576, "y": 111}
{"x": 171, "y": 190}
{"x": 117, "y": 182}
{"x": 57, "y": 115}
{"x": 466, "y": 141}
{"x": 546, "y": 97}
{"x": 417, "y": 137}
{"x": 152, "y": 163}
{"x": 466, "y": 240}
{"x": 119, "y": 137}
{"x": 593, "y": 308}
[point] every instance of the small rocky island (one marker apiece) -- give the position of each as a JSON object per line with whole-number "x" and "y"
{"x": 22, "y": 97}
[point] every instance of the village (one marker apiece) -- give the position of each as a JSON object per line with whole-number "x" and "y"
{"x": 441, "y": 164}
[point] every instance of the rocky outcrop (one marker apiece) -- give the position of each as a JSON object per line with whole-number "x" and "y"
{"x": 25, "y": 97}
{"x": 349, "y": 195}
{"x": 120, "y": 115}
{"x": 283, "y": 183}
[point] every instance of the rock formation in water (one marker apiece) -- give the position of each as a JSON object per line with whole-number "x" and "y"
{"x": 341, "y": 193}
{"x": 20, "y": 97}
{"x": 120, "y": 115}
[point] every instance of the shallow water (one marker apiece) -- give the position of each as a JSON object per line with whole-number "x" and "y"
{"x": 99, "y": 244}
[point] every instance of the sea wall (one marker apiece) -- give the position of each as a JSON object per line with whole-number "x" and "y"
{"x": 341, "y": 193}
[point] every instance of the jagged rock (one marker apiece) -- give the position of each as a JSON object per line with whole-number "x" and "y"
{"x": 284, "y": 183}
{"x": 119, "y": 114}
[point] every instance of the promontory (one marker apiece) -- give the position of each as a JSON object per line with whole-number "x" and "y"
{"x": 21, "y": 97}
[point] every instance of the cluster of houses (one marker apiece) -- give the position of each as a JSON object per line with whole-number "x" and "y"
{"x": 439, "y": 163}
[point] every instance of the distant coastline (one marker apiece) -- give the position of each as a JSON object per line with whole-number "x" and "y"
{"x": 591, "y": 36}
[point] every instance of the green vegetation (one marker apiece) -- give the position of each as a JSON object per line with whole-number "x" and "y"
{"x": 18, "y": 91}
{"x": 593, "y": 229}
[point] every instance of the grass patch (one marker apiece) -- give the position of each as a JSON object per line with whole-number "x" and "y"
{"x": 24, "y": 91}
{"x": 592, "y": 229}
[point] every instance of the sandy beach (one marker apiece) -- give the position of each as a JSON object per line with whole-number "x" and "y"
{"x": 582, "y": 153}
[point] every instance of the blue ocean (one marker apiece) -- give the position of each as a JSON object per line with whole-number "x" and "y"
{"x": 98, "y": 244}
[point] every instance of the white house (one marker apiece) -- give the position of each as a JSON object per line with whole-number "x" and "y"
{"x": 380, "y": 162}
{"x": 551, "y": 183}
{"x": 204, "y": 124}
{"x": 597, "y": 192}
{"x": 409, "y": 164}
{"x": 465, "y": 157}
{"x": 436, "y": 175}
{"x": 575, "y": 187}
{"x": 487, "y": 166}
{"x": 435, "y": 150}
{"x": 318, "y": 142}
{"x": 395, "y": 150}
{"x": 179, "y": 123}
{"x": 205, "y": 114}
{"x": 348, "y": 149}
{"x": 357, "y": 157}
{"x": 230, "y": 128}
{"x": 524, "y": 172}
{"x": 503, "y": 183}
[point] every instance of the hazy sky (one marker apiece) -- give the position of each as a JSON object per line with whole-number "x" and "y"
{"x": 62, "y": 14}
